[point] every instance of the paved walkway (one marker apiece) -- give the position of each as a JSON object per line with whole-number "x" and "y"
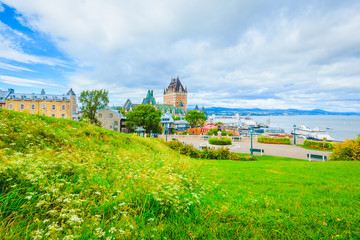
{"x": 280, "y": 150}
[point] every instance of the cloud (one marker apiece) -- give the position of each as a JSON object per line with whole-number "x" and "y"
{"x": 2, "y": 9}
{"x": 11, "y": 42}
{"x": 233, "y": 53}
{"x": 26, "y": 82}
{"x": 13, "y": 67}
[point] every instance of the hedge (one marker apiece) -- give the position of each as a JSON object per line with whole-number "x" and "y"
{"x": 320, "y": 145}
{"x": 261, "y": 139}
{"x": 221, "y": 141}
{"x": 219, "y": 154}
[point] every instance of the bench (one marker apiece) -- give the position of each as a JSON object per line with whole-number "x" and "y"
{"x": 174, "y": 139}
{"x": 317, "y": 157}
{"x": 236, "y": 138}
{"x": 259, "y": 150}
{"x": 205, "y": 137}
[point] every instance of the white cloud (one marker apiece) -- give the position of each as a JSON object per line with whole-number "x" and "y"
{"x": 26, "y": 82}
{"x": 233, "y": 53}
{"x": 2, "y": 9}
{"x": 13, "y": 67}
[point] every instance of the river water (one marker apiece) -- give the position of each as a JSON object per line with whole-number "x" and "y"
{"x": 338, "y": 126}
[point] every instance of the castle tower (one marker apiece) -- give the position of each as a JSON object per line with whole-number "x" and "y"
{"x": 176, "y": 94}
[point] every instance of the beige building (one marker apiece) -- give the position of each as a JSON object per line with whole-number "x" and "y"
{"x": 111, "y": 119}
{"x": 59, "y": 106}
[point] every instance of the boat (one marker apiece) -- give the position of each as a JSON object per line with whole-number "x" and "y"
{"x": 312, "y": 134}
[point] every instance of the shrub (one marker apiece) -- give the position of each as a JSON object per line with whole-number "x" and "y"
{"x": 222, "y": 141}
{"x": 208, "y": 153}
{"x": 346, "y": 151}
{"x": 261, "y": 139}
{"x": 213, "y": 131}
{"x": 320, "y": 145}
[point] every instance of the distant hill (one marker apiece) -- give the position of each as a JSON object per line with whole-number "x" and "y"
{"x": 258, "y": 111}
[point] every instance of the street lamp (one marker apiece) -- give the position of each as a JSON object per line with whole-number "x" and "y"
{"x": 166, "y": 129}
{"x": 251, "y": 134}
{"x": 294, "y": 135}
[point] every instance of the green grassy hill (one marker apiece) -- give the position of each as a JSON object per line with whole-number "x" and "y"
{"x": 66, "y": 179}
{"x": 61, "y": 179}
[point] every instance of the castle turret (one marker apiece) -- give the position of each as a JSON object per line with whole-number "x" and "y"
{"x": 176, "y": 94}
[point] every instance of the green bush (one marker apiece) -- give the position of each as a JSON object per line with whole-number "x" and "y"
{"x": 207, "y": 153}
{"x": 222, "y": 141}
{"x": 320, "y": 145}
{"x": 346, "y": 151}
{"x": 213, "y": 131}
{"x": 261, "y": 139}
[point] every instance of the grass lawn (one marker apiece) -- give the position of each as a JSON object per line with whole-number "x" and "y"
{"x": 61, "y": 179}
{"x": 283, "y": 198}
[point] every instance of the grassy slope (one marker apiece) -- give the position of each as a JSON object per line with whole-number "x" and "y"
{"x": 64, "y": 179}
{"x": 285, "y": 198}
{"x": 60, "y": 178}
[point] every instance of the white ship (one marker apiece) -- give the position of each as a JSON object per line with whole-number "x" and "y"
{"x": 312, "y": 134}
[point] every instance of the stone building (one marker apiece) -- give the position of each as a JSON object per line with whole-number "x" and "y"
{"x": 59, "y": 106}
{"x": 111, "y": 119}
{"x": 176, "y": 94}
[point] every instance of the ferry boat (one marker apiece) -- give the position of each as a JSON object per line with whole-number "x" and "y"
{"x": 312, "y": 134}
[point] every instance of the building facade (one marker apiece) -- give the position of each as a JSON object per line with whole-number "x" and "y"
{"x": 111, "y": 119}
{"x": 3, "y": 96}
{"x": 176, "y": 94}
{"x": 59, "y": 106}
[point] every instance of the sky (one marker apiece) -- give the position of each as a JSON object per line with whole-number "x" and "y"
{"x": 275, "y": 54}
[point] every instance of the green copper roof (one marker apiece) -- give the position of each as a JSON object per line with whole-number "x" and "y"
{"x": 149, "y": 99}
{"x": 196, "y": 108}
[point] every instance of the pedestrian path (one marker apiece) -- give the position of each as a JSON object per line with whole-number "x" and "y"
{"x": 280, "y": 150}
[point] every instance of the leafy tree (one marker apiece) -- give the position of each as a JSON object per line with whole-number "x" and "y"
{"x": 213, "y": 131}
{"x": 175, "y": 118}
{"x": 120, "y": 110}
{"x": 218, "y": 123}
{"x": 195, "y": 118}
{"x": 93, "y": 101}
{"x": 146, "y": 116}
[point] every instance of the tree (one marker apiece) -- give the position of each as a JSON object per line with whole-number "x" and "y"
{"x": 195, "y": 118}
{"x": 93, "y": 101}
{"x": 175, "y": 118}
{"x": 120, "y": 110}
{"x": 145, "y": 116}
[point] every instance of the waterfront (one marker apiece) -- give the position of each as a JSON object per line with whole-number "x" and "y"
{"x": 339, "y": 127}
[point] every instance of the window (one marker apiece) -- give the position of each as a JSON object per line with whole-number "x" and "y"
{"x": 32, "y": 106}
{"x": 53, "y": 115}
{"x": 44, "y": 107}
{"x": 63, "y": 115}
{"x": 11, "y": 106}
{"x": 22, "y": 106}
{"x": 100, "y": 115}
{"x": 53, "y": 107}
{"x": 63, "y": 107}
{"x": 111, "y": 115}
